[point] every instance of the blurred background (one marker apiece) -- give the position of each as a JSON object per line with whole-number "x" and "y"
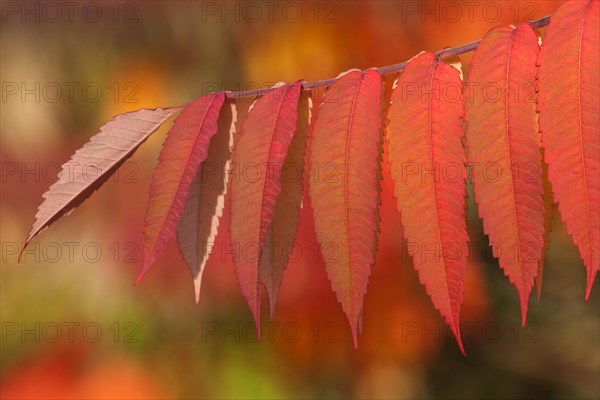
{"x": 73, "y": 324}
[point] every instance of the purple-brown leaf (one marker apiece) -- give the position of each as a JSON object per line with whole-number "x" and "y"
{"x": 206, "y": 199}
{"x": 105, "y": 152}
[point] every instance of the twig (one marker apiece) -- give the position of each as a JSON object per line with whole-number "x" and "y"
{"x": 389, "y": 69}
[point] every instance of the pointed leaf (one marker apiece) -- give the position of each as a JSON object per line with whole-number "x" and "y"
{"x": 428, "y": 168}
{"x": 203, "y": 208}
{"x": 568, "y": 103}
{"x": 117, "y": 140}
{"x": 279, "y": 245}
{"x": 344, "y": 190}
{"x": 258, "y": 160}
{"x": 503, "y": 146}
{"x": 185, "y": 148}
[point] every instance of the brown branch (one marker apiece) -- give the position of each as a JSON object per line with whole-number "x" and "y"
{"x": 389, "y": 69}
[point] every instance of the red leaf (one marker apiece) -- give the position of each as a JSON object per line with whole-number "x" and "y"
{"x": 428, "y": 167}
{"x": 502, "y": 136}
{"x": 279, "y": 246}
{"x": 569, "y": 107}
{"x": 344, "y": 189}
{"x": 199, "y": 222}
{"x": 185, "y": 148}
{"x": 117, "y": 140}
{"x": 258, "y": 160}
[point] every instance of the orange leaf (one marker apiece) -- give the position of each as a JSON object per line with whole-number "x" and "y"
{"x": 279, "y": 246}
{"x": 503, "y": 148}
{"x": 117, "y": 140}
{"x": 185, "y": 148}
{"x": 428, "y": 167}
{"x": 569, "y": 107}
{"x": 199, "y": 222}
{"x": 344, "y": 190}
{"x": 258, "y": 160}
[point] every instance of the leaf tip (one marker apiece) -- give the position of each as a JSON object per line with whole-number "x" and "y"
{"x": 139, "y": 278}
{"x": 524, "y": 300}
{"x": 590, "y": 284}
{"x": 456, "y": 331}
{"x": 22, "y": 250}
{"x": 355, "y": 327}
{"x": 257, "y": 324}
{"x": 355, "y": 338}
{"x": 197, "y": 284}
{"x": 255, "y": 309}
{"x": 145, "y": 267}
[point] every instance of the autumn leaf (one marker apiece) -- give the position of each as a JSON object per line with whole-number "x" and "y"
{"x": 428, "y": 167}
{"x": 503, "y": 148}
{"x": 117, "y": 140}
{"x": 258, "y": 161}
{"x": 569, "y": 107}
{"x": 344, "y": 191}
{"x": 185, "y": 148}
{"x": 279, "y": 246}
{"x": 203, "y": 208}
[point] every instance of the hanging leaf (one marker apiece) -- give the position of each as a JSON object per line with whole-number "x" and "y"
{"x": 117, "y": 140}
{"x": 206, "y": 199}
{"x": 258, "y": 161}
{"x": 428, "y": 167}
{"x": 503, "y": 148}
{"x": 344, "y": 190}
{"x": 279, "y": 246}
{"x": 569, "y": 107}
{"x": 185, "y": 148}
